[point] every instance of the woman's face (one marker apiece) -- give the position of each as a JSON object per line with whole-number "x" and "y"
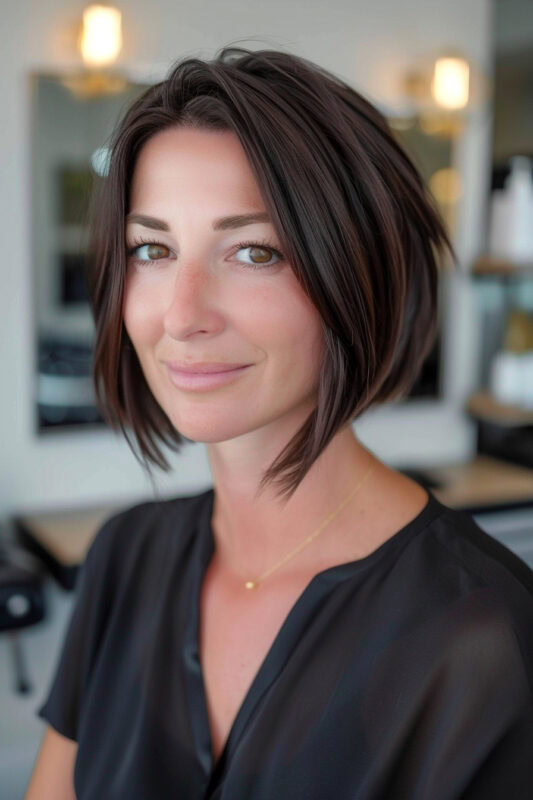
{"x": 200, "y": 295}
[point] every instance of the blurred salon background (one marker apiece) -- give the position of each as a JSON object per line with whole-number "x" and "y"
{"x": 454, "y": 79}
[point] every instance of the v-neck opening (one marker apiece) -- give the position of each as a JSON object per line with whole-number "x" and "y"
{"x": 279, "y": 650}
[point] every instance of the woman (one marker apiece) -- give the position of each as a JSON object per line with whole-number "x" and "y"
{"x": 317, "y": 624}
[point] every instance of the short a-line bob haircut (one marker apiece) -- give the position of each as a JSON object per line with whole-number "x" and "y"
{"x": 355, "y": 220}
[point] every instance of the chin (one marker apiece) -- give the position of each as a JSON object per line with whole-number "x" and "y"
{"x": 209, "y": 428}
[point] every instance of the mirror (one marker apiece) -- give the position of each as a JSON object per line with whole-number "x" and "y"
{"x": 429, "y": 142}
{"x": 73, "y": 116}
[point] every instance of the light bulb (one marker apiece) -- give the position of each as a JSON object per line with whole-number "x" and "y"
{"x": 101, "y": 38}
{"x": 450, "y": 84}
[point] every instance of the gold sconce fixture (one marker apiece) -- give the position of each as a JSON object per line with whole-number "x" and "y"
{"x": 442, "y": 94}
{"x": 450, "y": 85}
{"x": 100, "y": 40}
{"x": 99, "y": 43}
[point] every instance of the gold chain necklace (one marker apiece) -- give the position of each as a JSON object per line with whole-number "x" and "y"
{"x": 253, "y": 584}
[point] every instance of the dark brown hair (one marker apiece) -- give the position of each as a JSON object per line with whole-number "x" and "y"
{"x": 353, "y": 216}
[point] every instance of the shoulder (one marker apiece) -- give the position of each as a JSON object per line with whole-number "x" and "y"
{"x": 144, "y": 529}
{"x": 481, "y": 594}
{"x": 453, "y": 665}
{"x": 463, "y": 549}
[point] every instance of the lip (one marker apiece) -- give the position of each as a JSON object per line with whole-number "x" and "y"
{"x": 199, "y": 381}
{"x": 202, "y": 367}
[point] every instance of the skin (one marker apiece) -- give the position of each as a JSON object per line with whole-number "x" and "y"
{"x": 199, "y": 299}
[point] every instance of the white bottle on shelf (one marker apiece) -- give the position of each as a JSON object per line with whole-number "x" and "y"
{"x": 511, "y": 214}
{"x": 526, "y": 399}
{"x": 506, "y": 378}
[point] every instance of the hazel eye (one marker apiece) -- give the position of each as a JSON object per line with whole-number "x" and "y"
{"x": 261, "y": 254}
{"x": 154, "y": 250}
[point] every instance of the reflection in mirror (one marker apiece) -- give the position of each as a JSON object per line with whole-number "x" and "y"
{"x": 72, "y": 122}
{"x": 72, "y": 119}
{"x": 429, "y": 140}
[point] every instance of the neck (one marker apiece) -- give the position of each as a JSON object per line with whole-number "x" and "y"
{"x": 253, "y": 533}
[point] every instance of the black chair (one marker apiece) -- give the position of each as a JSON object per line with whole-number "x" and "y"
{"x": 21, "y": 602}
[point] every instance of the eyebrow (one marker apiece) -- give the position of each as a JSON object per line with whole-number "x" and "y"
{"x": 220, "y": 224}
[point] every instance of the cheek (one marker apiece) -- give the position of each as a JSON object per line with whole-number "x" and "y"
{"x": 301, "y": 348}
{"x": 290, "y": 327}
{"x": 141, "y": 313}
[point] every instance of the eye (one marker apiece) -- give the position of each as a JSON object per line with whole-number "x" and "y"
{"x": 152, "y": 246}
{"x": 260, "y": 251}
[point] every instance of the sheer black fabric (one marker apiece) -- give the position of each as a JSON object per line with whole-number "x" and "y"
{"x": 405, "y": 675}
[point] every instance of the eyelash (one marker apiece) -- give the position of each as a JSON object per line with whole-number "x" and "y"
{"x": 140, "y": 241}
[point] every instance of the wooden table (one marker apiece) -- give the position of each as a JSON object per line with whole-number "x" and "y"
{"x": 61, "y": 538}
{"x": 481, "y": 485}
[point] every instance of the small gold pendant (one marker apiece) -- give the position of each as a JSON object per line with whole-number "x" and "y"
{"x": 250, "y": 584}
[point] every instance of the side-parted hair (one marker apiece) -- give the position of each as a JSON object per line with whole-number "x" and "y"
{"x": 354, "y": 218}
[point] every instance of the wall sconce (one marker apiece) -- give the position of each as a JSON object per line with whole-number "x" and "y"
{"x": 101, "y": 36}
{"x": 450, "y": 84}
{"x": 440, "y": 95}
{"x": 99, "y": 42}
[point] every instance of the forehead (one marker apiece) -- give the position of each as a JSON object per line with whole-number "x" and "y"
{"x": 185, "y": 162}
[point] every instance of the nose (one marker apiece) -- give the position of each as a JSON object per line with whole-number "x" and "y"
{"x": 189, "y": 307}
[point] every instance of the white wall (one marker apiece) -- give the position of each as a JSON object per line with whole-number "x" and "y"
{"x": 370, "y": 45}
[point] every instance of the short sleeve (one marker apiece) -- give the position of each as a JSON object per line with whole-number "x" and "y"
{"x": 480, "y": 717}
{"x": 453, "y": 701}
{"x": 84, "y": 632}
{"x": 494, "y": 721}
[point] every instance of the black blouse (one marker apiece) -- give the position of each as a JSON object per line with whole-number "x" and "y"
{"x": 403, "y": 675}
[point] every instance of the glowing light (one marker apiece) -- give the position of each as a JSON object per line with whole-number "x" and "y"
{"x": 101, "y": 38}
{"x": 450, "y": 84}
{"x": 446, "y": 185}
{"x": 100, "y": 159}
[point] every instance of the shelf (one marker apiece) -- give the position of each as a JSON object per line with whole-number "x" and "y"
{"x": 483, "y": 405}
{"x": 490, "y": 267}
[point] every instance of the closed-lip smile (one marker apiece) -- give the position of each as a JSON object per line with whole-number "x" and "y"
{"x": 204, "y": 367}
